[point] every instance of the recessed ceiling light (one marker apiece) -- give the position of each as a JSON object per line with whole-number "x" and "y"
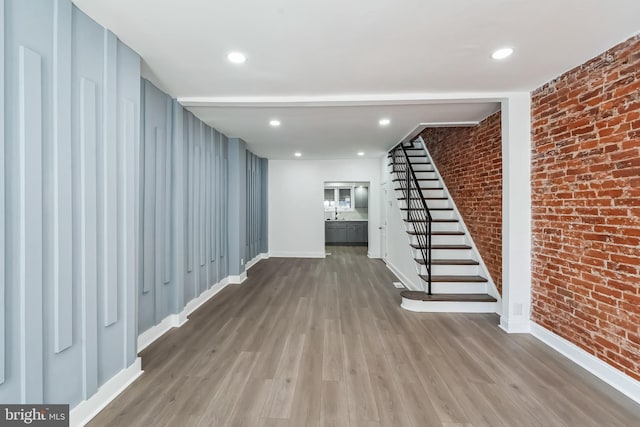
{"x": 297, "y": 154}
{"x": 236, "y": 57}
{"x": 384, "y": 122}
{"x": 503, "y": 53}
{"x": 360, "y": 153}
{"x": 274, "y": 123}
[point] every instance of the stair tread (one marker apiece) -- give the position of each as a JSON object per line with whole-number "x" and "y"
{"x": 431, "y": 209}
{"x": 422, "y": 188}
{"x": 412, "y": 163}
{"x": 423, "y": 296}
{"x": 419, "y": 179}
{"x": 453, "y": 278}
{"x": 438, "y": 233}
{"x": 443, "y": 246}
{"x": 449, "y": 261}
{"x": 409, "y": 155}
{"x": 424, "y": 198}
{"x": 433, "y": 220}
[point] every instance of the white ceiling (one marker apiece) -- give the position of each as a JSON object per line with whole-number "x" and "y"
{"x": 333, "y": 132}
{"x": 314, "y": 49}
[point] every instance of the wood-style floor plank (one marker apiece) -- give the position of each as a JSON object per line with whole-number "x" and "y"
{"x": 324, "y": 342}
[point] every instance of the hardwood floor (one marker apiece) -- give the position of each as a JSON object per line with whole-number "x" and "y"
{"x": 324, "y": 342}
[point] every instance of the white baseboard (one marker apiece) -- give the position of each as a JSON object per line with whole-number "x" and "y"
{"x": 373, "y": 255}
{"x": 195, "y": 303}
{"x": 83, "y": 412}
{"x": 515, "y": 326}
{"x": 409, "y": 284}
{"x": 236, "y": 280}
{"x": 607, "y": 373}
{"x": 156, "y": 331}
{"x": 177, "y": 320}
{"x": 287, "y": 254}
{"x": 256, "y": 260}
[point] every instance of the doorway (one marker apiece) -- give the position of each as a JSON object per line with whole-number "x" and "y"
{"x": 346, "y": 213}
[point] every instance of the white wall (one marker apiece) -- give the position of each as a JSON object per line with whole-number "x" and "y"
{"x": 399, "y": 257}
{"x": 296, "y": 209}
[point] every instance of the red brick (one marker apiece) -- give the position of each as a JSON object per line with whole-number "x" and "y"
{"x": 470, "y": 162}
{"x": 586, "y": 206}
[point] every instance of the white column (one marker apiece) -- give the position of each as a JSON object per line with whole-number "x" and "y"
{"x": 516, "y": 213}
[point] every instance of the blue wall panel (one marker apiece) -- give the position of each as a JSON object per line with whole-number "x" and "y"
{"x": 70, "y": 319}
{"x": 256, "y": 202}
{"x": 88, "y": 234}
{"x": 108, "y": 187}
{"x": 113, "y": 204}
{"x": 31, "y": 233}
{"x": 186, "y": 218}
{"x": 62, "y": 226}
{"x": 2, "y": 234}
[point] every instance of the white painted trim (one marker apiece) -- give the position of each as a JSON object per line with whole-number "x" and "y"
{"x": 607, "y": 373}
{"x": 287, "y": 254}
{"x": 448, "y": 306}
{"x": 514, "y": 327}
{"x": 516, "y": 208}
{"x": 84, "y": 411}
{"x": 422, "y": 126}
{"x": 177, "y": 320}
{"x": 238, "y": 279}
{"x": 341, "y": 100}
{"x": 465, "y": 124}
{"x": 409, "y": 284}
{"x": 256, "y": 260}
{"x": 195, "y": 303}
{"x": 156, "y": 331}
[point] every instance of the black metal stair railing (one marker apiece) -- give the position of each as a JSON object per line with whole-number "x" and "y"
{"x": 418, "y": 212}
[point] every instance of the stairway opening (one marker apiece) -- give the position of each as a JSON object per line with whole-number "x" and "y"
{"x": 452, "y": 275}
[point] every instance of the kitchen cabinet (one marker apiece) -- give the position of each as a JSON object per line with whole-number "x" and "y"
{"x": 362, "y": 197}
{"x": 346, "y": 232}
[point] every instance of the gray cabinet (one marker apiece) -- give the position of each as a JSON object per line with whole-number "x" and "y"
{"x": 346, "y": 232}
{"x": 335, "y": 232}
{"x": 362, "y": 198}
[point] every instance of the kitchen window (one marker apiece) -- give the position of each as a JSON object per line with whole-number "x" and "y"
{"x": 341, "y": 198}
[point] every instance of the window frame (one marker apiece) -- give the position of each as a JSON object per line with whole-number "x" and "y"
{"x": 336, "y": 199}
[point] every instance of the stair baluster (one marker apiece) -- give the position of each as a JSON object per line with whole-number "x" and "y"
{"x": 417, "y": 209}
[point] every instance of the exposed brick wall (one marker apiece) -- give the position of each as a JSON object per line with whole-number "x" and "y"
{"x": 470, "y": 162}
{"x": 586, "y": 206}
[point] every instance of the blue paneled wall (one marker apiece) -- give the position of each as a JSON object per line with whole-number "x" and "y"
{"x": 256, "y": 204}
{"x": 115, "y": 204}
{"x": 185, "y": 203}
{"x": 69, "y": 139}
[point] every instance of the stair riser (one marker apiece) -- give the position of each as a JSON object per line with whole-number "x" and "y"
{"x": 419, "y": 175}
{"x": 446, "y": 253}
{"x": 452, "y": 270}
{"x": 431, "y": 204}
{"x": 458, "y": 288}
{"x": 436, "y": 204}
{"x": 442, "y": 240}
{"x": 425, "y": 175}
{"x": 423, "y": 185}
{"x": 436, "y": 226}
{"x": 441, "y": 214}
{"x": 449, "y": 307}
{"x": 432, "y": 193}
{"x": 429, "y": 184}
{"x": 419, "y": 167}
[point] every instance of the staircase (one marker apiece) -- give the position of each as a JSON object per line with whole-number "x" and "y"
{"x": 454, "y": 277}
